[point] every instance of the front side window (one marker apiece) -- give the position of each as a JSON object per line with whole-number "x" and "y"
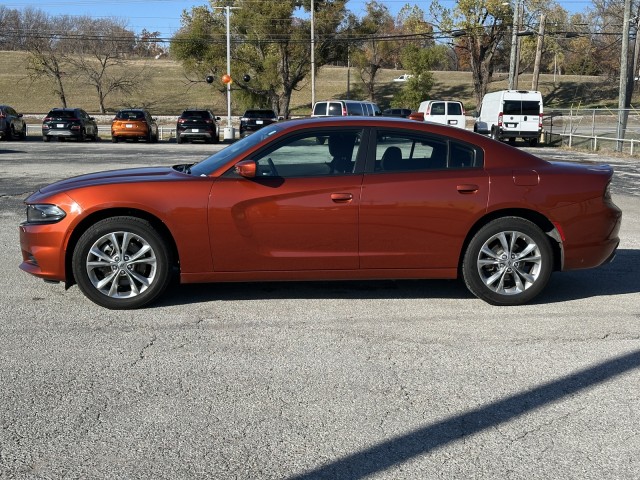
{"x": 311, "y": 154}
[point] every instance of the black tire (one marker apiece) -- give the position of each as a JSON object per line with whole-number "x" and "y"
{"x": 118, "y": 283}
{"x": 114, "y": 139}
{"x": 179, "y": 139}
{"x": 216, "y": 137}
{"x": 495, "y": 135}
{"x": 508, "y": 277}
{"x": 533, "y": 142}
{"x": 23, "y": 132}
{"x": 46, "y": 138}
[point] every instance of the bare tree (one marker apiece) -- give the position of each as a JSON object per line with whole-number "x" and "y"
{"x": 479, "y": 27}
{"x": 101, "y": 58}
{"x": 49, "y": 48}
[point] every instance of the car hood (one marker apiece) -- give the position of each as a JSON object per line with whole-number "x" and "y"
{"x": 129, "y": 175}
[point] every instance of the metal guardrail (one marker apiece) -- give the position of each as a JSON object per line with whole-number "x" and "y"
{"x": 164, "y": 132}
{"x": 594, "y": 129}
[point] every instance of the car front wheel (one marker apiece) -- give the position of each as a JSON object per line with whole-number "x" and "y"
{"x": 122, "y": 263}
{"x": 508, "y": 262}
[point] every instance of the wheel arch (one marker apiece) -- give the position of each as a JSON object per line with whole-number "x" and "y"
{"x": 535, "y": 217}
{"x": 82, "y": 227}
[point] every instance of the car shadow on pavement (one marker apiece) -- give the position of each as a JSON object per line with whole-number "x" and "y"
{"x": 617, "y": 278}
{"x": 417, "y": 443}
{"x": 355, "y": 290}
{"x": 620, "y": 277}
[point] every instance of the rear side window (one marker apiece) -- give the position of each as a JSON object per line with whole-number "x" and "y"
{"x": 455, "y": 108}
{"x": 402, "y": 152}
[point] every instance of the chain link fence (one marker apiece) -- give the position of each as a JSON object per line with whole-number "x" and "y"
{"x": 594, "y": 129}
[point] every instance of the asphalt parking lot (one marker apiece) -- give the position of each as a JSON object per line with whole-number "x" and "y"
{"x": 345, "y": 380}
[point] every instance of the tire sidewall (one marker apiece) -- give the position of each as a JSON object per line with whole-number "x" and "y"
{"x": 138, "y": 227}
{"x": 470, "y": 270}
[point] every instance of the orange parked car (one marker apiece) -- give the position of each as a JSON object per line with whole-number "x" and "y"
{"x": 383, "y": 198}
{"x": 134, "y": 124}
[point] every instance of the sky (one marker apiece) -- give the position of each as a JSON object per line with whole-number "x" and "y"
{"x": 164, "y": 15}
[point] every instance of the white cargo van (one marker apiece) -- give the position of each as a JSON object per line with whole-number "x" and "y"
{"x": 447, "y": 112}
{"x": 511, "y": 114}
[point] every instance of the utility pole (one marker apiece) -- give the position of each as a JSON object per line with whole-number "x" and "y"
{"x": 313, "y": 57}
{"x": 513, "y": 59}
{"x": 536, "y": 66}
{"x": 623, "y": 102}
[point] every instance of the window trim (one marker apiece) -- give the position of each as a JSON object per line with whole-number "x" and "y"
{"x": 370, "y": 165}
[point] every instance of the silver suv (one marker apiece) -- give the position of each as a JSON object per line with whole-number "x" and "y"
{"x": 343, "y": 108}
{"x": 12, "y": 125}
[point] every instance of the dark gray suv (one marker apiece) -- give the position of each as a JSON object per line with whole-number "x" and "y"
{"x": 197, "y": 124}
{"x": 12, "y": 125}
{"x": 63, "y": 123}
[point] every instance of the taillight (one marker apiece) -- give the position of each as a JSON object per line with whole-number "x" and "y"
{"x": 500, "y": 119}
{"x": 181, "y": 120}
{"x": 47, "y": 119}
{"x": 208, "y": 121}
{"x": 540, "y": 121}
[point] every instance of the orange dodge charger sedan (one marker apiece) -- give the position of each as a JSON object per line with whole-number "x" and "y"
{"x": 327, "y": 199}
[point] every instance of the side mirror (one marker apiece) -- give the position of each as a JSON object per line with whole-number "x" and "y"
{"x": 246, "y": 168}
{"x": 280, "y": 118}
{"x": 218, "y": 118}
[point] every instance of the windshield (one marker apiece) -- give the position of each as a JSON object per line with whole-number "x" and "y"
{"x": 236, "y": 149}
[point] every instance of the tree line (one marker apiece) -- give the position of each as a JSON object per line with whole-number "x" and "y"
{"x": 270, "y": 45}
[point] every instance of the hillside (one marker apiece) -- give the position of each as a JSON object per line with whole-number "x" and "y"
{"x": 167, "y": 90}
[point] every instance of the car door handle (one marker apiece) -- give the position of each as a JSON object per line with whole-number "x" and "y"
{"x": 468, "y": 188}
{"x": 341, "y": 197}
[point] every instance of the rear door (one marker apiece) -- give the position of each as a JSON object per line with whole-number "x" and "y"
{"x": 521, "y": 113}
{"x": 421, "y": 195}
{"x": 530, "y": 120}
{"x": 455, "y": 115}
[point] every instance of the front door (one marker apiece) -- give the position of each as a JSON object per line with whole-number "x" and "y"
{"x": 299, "y": 213}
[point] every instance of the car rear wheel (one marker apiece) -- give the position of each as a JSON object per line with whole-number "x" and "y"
{"x": 122, "y": 263}
{"x": 508, "y": 262}
{"x": 495, "y": 135}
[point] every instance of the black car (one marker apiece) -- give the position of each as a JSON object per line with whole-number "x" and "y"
{"x": 11, "y": 124}
{"x": 63, "y": 123}
{"x": 255, "y": 119}
{"x": 198, "y": 124}
{"x": 397, "y": 112}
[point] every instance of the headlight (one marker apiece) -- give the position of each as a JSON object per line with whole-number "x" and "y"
{"x": 43, "y": 213}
